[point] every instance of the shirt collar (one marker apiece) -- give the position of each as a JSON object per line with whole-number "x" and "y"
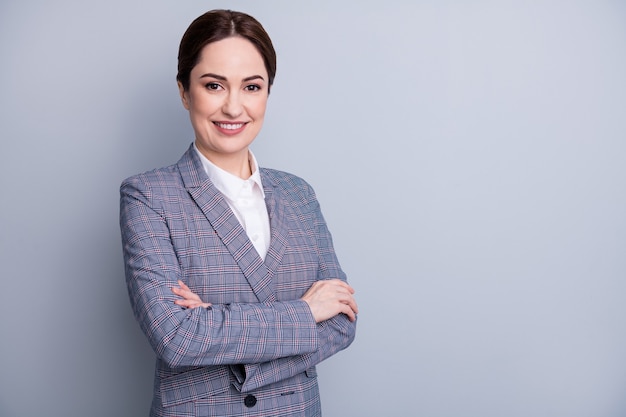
{"x": 228, "y": 184}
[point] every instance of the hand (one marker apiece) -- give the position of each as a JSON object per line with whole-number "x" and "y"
{"x": 328, "y": 298}
{"x": 189, "y": 298}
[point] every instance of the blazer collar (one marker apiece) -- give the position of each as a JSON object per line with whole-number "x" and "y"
{"x": 217, "y": 211}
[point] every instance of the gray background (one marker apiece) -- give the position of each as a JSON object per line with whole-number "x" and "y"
{"x": 469, "y": 157}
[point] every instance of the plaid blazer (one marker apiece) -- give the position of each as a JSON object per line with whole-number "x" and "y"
{"x": 254, "y": 351}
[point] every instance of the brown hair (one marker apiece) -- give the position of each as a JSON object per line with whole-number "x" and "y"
{"x": 214, "y": 26}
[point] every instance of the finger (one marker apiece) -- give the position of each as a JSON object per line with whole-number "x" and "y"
{"x": 185, "y": 302}
{"x": 346, "y": 297}
{"x": 348, "y": 287}
{"x": 182, "y": 303}
{"x": 349, "y": 312}
{"x": 186, "y": 294}
{"x": 342, "y": 284}
{"x": 354, "y": 307}
{"x": 203, "y": 305}
{"x": 351, "y": 302}
{"x": 191, "y": 304}
{"x": 181, "y": 293}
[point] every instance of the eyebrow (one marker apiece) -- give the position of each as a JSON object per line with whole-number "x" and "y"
{"x": 222, "y": 78}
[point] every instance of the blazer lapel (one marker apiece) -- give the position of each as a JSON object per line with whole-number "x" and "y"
{"x": 276, "y": 208}
{"x": 226, "y": 225}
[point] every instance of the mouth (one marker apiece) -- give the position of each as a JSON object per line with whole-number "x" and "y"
{"x": 230, "y": 128}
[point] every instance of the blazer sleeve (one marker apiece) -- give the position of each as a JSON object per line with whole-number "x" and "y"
{"x": 220, "y": 335}
{"x": 334, "y": 334}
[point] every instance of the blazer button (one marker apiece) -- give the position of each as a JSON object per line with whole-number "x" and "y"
{"x": 250, "y": 400}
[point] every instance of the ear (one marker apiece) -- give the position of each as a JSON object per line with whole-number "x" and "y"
{"x": 184, "y": 95}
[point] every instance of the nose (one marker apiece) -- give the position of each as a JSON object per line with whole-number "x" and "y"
{"x": 233, "y": 106}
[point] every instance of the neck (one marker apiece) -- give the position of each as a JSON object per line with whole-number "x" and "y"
{"x": 238, "y": 164}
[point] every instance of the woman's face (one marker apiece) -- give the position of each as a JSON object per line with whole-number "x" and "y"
{"x": 227, "y": 97}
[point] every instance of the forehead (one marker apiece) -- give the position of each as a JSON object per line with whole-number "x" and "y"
{"x": 234, "y": 55}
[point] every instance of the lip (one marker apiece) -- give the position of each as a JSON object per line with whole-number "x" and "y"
{"x": 230, "y": 128}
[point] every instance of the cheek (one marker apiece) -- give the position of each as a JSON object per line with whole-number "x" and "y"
{"x": 259, "y": 108}
{"x": 202, "y": 105}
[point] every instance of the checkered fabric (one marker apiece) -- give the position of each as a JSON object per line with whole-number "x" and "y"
{"x": 254, "y": 351}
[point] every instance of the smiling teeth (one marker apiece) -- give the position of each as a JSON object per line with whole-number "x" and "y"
{"x": 230, "y": 126}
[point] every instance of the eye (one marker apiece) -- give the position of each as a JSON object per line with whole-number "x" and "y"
{"x": 212, "y": 86}
{"x": 252, "y": 87}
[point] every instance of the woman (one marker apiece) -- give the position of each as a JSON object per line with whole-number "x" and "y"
{"x": 230, "y": 267}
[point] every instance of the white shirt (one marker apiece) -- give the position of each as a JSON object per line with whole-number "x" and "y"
{"x": 246, "y": 199}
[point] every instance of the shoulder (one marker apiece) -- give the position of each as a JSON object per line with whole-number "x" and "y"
{"x": 171, "y": 177}
{"x": 288, "y": 183}
{"x": 157, "y": 178}
{"x": 160, "y": 190}
{"x": 161, "y": 187}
